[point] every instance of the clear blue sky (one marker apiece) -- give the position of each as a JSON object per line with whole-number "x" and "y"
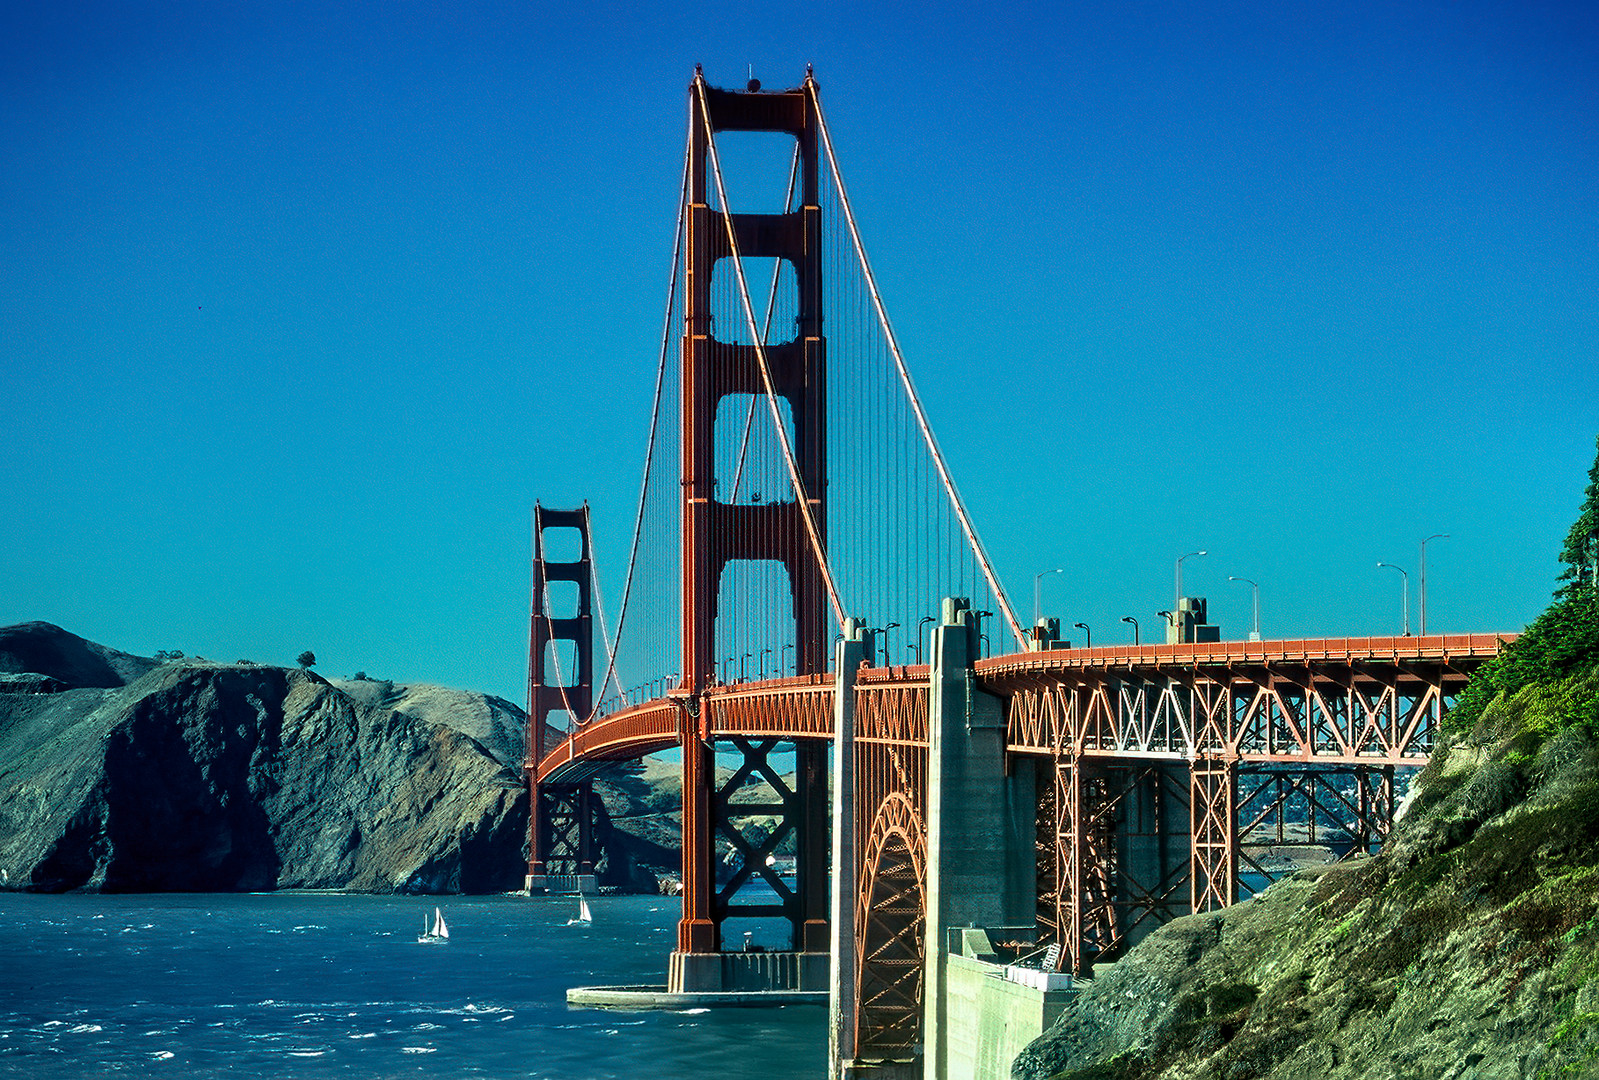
{"x": 302, "y": 309}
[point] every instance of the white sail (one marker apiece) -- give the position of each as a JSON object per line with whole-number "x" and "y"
{"x": 583, "y": 912}
{"x": 439, "y": 928}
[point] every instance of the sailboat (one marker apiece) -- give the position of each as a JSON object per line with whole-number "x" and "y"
{"x": 585, "y": 917}
{"x": 439, "y": 935}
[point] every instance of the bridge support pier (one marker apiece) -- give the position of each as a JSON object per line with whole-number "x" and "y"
{"x": 851, "y": 652}
{"x": 980, "y": 819}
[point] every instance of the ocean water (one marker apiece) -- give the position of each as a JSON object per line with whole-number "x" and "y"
{"x": 314, "y": 985}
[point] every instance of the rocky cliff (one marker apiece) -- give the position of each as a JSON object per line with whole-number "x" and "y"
{"x": 1468, "y": 949}
{"x": 125, "y": 774}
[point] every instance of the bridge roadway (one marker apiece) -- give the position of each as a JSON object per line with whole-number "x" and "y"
{"x": 1361, "y": 701}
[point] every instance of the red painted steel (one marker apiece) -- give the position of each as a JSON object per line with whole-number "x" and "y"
{"x": 573, "y": 694}
{"x": 1332, "y": 700}
{"x": 1099, "y": 716}
{"x": 715, "y": 533}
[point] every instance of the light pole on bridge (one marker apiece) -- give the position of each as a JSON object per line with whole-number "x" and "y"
{"x": 1038, "y": 584}
{"x": 888, "y": 660}
{"x": 780, "y": 666}
{"x": 1129, "y": 618}
{"x": 1088, "y": 635}
{"x": 1171, "y": 620}
{"x": 1177, "y": 605}
{"x": 1423, "y": 597}
{"x": 1404, "y": 593}
{"x": 982, "y": 638}
{"x": 764, "y": 653}
{"x": 923, "y": 621}
{"x": 1254, "y": 634}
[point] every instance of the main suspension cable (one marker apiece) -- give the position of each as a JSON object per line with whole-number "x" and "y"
{"x": 612, "y": 646}
{"x": 800, "y": 496}
{"x": 905, "y": 376}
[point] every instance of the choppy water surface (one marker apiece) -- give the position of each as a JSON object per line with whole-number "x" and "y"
{"x": 297, "y": 985}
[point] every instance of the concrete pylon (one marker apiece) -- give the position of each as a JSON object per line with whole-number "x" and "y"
{"x": 853, "y": 649}
{"x": 980, "y": 822}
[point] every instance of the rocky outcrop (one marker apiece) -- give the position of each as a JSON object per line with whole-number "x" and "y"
{"x": 123, "y": 774}
{"x": 44, "y": 649}
{"x": 1468, "y": 949}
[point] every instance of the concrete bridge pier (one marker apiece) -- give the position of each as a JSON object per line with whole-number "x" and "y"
{"x": 981, "y": 869}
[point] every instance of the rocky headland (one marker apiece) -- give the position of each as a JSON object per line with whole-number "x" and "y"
{"x": 123, "y": 773}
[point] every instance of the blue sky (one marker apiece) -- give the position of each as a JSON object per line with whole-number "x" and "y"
{"x": 304, "y": 308}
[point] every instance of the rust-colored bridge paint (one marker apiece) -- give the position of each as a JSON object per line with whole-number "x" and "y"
{"x": 716, "y": 533}
{"x": 1097, "y": 719}
{"x": 573, "y": 694}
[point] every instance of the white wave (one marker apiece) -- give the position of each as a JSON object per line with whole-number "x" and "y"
{"x": 83, "y": 1029}
{"x": 306, "y": 1053}
{"x": 690, "y": 1012}
{"x": 163, "y": 1055}
{"x": 419, "y": 1049}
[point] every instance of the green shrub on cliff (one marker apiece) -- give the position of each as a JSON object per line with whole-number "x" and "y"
{"x": 1559, "y": 649}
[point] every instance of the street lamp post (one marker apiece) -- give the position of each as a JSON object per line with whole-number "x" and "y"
{"x": 923, "y": 621}
{"x": 1254, "y": 635}
{"x": 1423, "y": 595}
{"x": 1177, "y": 605}
{"x": 1088, "y": 635}
{"x": 888, "y": 657}
{"x": 1129, "y": 618}
{"x": 982, "y": 637}
{"x": 764, "y": 652}
{"x": 786, "y": 645}
{"x": 1404, "y": 593}
{"x": 1038, "y": 581}
{"x": 743, "y": 668}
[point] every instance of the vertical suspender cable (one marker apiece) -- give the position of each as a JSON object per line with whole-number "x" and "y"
{"x": 905, "y": 379}
{"x": 649, "y": 451}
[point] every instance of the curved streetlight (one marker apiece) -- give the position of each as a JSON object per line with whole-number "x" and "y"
{"x": 1177, "y": 605}
{"x": 923, "y": 621}
{"x": 982, "y": 637}
{"x": 1254, "y": 635}
{"x": 887, "y": 656}
{"x": 1171, "y": 623}
{"x": 1129, "y": 618}
{"x": 1423, "y": 613}
{"x": 764, "y": 653}
{"x": 780, "y": 669}
{"x": 1088, "y": 635}
{"x": 1404, "y": 592}
{"x": 743, "y": 667}
{"x": 1038, "y": 581}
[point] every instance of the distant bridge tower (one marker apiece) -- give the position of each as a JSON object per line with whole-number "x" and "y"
{"x": 716, "y": 533}
{"x": 561, "y": 817}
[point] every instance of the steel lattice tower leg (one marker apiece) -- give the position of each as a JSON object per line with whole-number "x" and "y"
{"x": 560, "y": 833}
{"x": 717, "y": 533}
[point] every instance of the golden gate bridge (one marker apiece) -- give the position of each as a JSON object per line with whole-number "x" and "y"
{"x": 805, "y": 583}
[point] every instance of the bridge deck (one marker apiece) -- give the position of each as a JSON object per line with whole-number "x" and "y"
{"x": 1334, "y": 699}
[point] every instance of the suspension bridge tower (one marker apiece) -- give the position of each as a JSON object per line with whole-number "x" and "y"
{"x": 718, "y": 533}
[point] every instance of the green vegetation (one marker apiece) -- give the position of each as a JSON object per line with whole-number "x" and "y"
{"x": 1561, "y": 647}
{"x": 306, "y": 659}
{"x": 1469, "y": 947}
